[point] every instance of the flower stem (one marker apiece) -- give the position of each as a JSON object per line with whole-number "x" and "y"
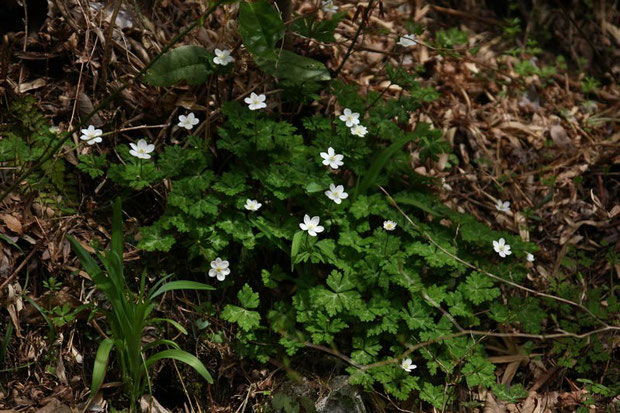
{"x": 386, "y": 244}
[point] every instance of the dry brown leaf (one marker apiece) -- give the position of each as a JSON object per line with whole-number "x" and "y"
{"x": 13, "y": 223}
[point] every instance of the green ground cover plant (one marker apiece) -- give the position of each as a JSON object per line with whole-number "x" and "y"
{"x": 313, "y": 217}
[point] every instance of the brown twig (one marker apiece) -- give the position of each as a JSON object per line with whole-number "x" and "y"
{"x": 367, "y": 12}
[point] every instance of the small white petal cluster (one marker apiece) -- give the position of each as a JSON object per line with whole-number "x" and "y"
{"x": 188, "y": 122}
{"x": 311, "y": 225}
{"x": 350, "y": 118}
{"x": 91, "y": 135}
{"x": 359, "y": 130}
{"x": 530, "y": 257}
{"x": 255, "y": 101}
{"x": 252, "y": 205}
{"x": 331, "y": 158}
{"x": 141, "y": 150}
{"x": 408, "y": 40}
{"x": 336, "y": 193}
{"x": 389, "y": 225}
{"x": 222, "y": 57}
{"x": 408, "y": 365}
{"x": 502, "y": 206}
{"x": 502, "y": 248}
{"x": 219, "y": 269}
{"x": 329, "y": 7}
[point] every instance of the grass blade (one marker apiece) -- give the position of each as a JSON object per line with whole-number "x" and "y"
{"x": 101, "y": 365}
{"x": 182, "y": 356}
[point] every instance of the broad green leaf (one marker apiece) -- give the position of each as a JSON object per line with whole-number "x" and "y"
{"x": 184, "y": 357}
{"x": 191, "y": 64}
{"x": 261, "y": 27}
{"x": 284, "y": 64}
{"x": 181, "y": 285}
{"x": 101, "y": 364}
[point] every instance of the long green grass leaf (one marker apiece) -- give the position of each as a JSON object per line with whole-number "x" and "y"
{"x": 180, "y": 285}
{"x": 182, "y": 356}
{"x": 381, "y": 160}
{"x": 101, "y": 365}
{"x": 117, "y": 227}
{"x": 172, "y": 322}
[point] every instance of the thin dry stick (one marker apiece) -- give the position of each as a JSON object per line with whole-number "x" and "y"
{"x": 488, "y": 274}
{"x": 357, "y": 35}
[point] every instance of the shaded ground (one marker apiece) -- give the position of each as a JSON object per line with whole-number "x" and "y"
{"x": 544, "y": 140}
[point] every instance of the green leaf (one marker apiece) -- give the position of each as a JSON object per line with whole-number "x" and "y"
{"x": 291, "y": 66}
{"x": 377, "y": 165}
{"x": 101, "y": 365}
{"x": 342, "y": 296}
{"x": 180, "y": 285}
{"x": 479, "y": 288}
{"x": 175, "y": 324}
{"x": 247, "y": 297}
{"x": 321, "y": 30}
{"x": 261, "y": 27}
{"x": 184, "y": 357}
{"x": 479, "y": 371}
{"x": 246, "y": 319}
{"x": 295, "y": 247}
{"x": 191, "y": 64}
{"x": 154, "y": 240}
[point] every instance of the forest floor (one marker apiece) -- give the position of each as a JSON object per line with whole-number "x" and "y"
{"x": 525, "y": 126}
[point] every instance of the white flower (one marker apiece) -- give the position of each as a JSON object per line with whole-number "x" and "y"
{"x": 502, "y": 206}
{"x": 219, "y": 269}
{"x": 408, "y": 40}
{"x": 91, "y": 135}
{"x": 189, "y": 121}
{"x": 311, "y": 225}
{"x": 407, "y": 365}
{"x": 389, "y": 225}
{"x": 502, "y": 248}
{"x": 252, "y": 205}
{"x": 142, "y": 149}
{"x": 331, "y": 158}
{"x": 222, "y": 57}
{"x": 255, "y": 101}
{"x": 329, "y": 7}
{"x": 359, "y": 130}
{"x": 350, "y": 118}
{"x": 55, "y": 129}
{"x": 336, "y": 193}
{"x": 529, "y": 257}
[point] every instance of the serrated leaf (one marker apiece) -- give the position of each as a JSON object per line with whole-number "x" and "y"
{"x": 246, "y": 319}
{"x": 247, "y": 297}
{"x": 191, "y": 64}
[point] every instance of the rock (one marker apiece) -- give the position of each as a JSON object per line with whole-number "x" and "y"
{"x": 344, "y": 398}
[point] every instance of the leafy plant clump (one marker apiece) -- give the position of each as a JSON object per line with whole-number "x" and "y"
{"x": 128, "y": 315}
{"x": 319, "y": 256}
